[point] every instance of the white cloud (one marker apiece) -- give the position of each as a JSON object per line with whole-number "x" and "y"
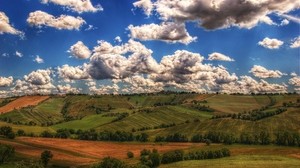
{"x": 40, "y": 18}
{"x": 6, "y": 81}
{"x": 295, "y": 81}
{"x": 219, "y": 57}
{"x": 19, "y": 54}
{"x": 291, "y": 18}
{"x": 38, "y": 59}
{"x": 216, "y": 14}
{"x": 68, "y": 89}
{"x": 90, "y": 27}
{"x": 293, "y": 74}
{"x": 5, "y": 26}
{"x": 105, "y": 89}
{"x": 167, "y": 31}
{"x": 118, "y": 39}
{"x": 147, "y": 6}
{"x": 178, "y": 67}
{"x": 110, "y": 62}
{"x": 79, "y": 6}
{"x": 39, "y": 77}
{"x": 80, "y": 51}
{"x": 295, "y": 43}
{"x": 284, "y": 22}
{"x": 270, "y": 43}
{"x": 140, "y": 84}
{"x": 69, "y": 73}
{"x": 249, "y": 85}
{"x": 5, "y": 55}
{"x": 262, "y": 72}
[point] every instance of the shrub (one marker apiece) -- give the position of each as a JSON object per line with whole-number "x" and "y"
{"x": 173, "y": 156}
{"x": 145, "y": 152}
{"x": 130, "y": 154}
{"x": 6, "y": 152}
{"x": 46, "y": 156}
{"x": 110, "y": 162}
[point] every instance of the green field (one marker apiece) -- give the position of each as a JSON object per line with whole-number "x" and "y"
{"x": 88, "y": 122}
{"x": 179, "y": 113}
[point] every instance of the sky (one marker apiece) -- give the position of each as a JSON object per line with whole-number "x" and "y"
{"x": 142, "y": 46}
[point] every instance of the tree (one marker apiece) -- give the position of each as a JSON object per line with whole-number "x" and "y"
{"x": 45, "y": 157}
{"x": 6, "y": 152}
{"x": 155, "y": 159}
{"x": 130, "y": 154}
{"x": 7, "y": 132}
{"x": 110, "y": 162}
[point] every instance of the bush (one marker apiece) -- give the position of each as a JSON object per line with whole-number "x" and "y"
{"x": 7, "y": 132}
{"x": 6, "y": 153}
{"x": 145, "y": 152}
{"x": 173, "y": 156}
{"x": 21, "y": 132}
{"x": 110, "y": 162}
{"x": 130, "y": 154}
{"x": 155, "y": 159}
{"x": 46, "y": 156}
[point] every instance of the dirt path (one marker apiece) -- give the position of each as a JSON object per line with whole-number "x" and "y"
{"x": 22, "y": 102}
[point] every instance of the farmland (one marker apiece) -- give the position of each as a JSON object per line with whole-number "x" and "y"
{"x": 85, "y": 117}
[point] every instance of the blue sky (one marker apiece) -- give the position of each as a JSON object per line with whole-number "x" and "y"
{"x": 259, "y": 47}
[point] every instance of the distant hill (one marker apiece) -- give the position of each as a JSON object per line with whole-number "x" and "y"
{"x": 155, "y": 114}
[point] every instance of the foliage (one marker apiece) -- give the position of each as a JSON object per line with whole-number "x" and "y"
{"x": 46, "y": 156}
{"x": 172, "y": 156}
{"x": 6, "y": 152}
{"x": 130, "y": 154}
{"x": 7, "y": 132}
{"x": 110, "y": 162}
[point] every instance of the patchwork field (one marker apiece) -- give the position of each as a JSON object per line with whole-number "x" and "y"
{"x": 155, "y": 115}
{"x": 22, "y": 102}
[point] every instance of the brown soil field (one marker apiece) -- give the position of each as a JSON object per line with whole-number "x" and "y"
{"x": 77, "y": 152}
{"x": 101, "y": 149}
{"x": 22, "y": 102}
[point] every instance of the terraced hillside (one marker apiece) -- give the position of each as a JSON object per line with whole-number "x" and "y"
{"x": 155, "y": 115}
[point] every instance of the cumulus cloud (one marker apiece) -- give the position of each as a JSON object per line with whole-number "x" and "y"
{"x": 110, "y": 62}
{"x": 284, "y": 22}
{"x": 167, "y": 31}
{"x": 38, "y": 59}
{"x": 102, "y": 89}
{"x": 19, "y": 54}
{"x": 5, "y": 26}
{"x": 6, "y": 81}
{"x": 295, "y": 81}
{"x": 118, "y": 39}
{"x": 39, "y": 77}
{"x": 80, "y": 51}
{"x": 219, "y": 57}
{"x": 69, "y": 73}
{"x": 178, "y": 67}
{"x": 140, "y": 84}
{"x": 67, "y": 89}
{"x": 249, "y": 85}
{"x": 290, "y": 17}
{"x": 40, "y": 18}
{"x": 262, "y": 72}
{"x": 295, "y": 43}
{"x": 270, "y": 43}
{"x": 79, "y": 6}
{"x": 216, "y": 14}
{"x": 146, "y": 5}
